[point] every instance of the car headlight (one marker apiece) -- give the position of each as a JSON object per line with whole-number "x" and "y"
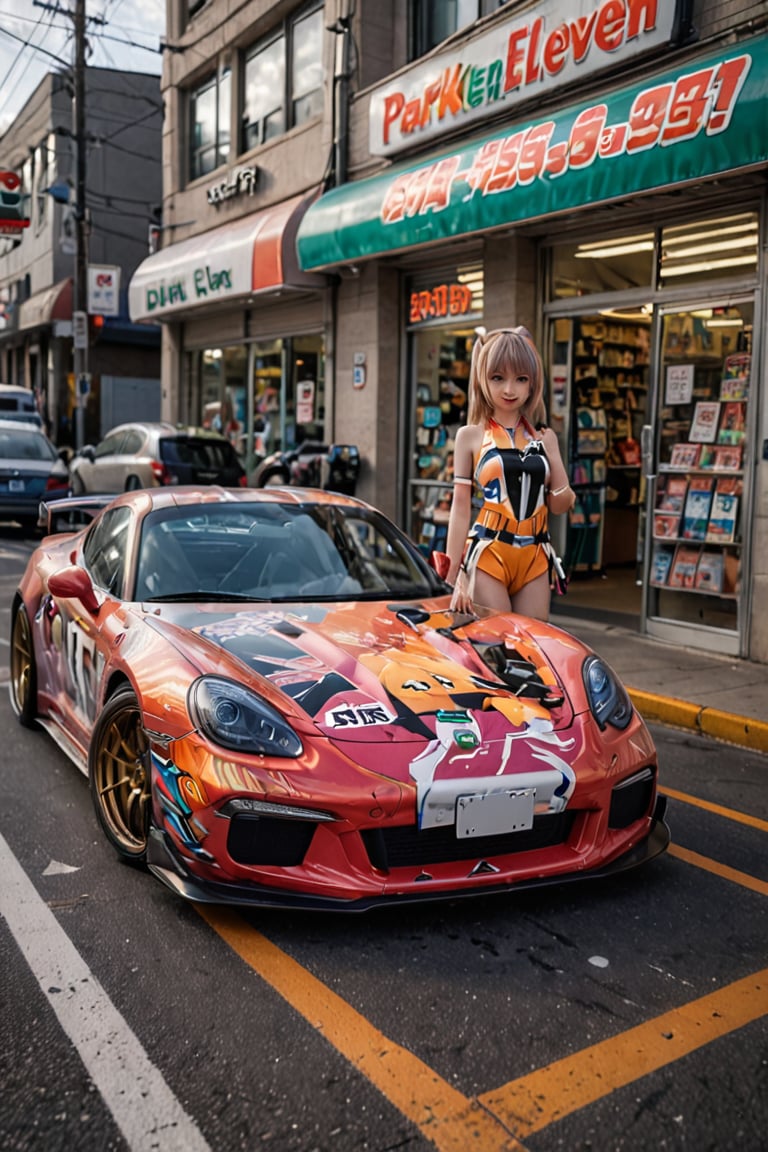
{"x": 237, "y": 718}
{"x": 607, "y": 696}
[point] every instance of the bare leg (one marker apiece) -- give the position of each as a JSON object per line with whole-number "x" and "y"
{"x": 490, "y": 593}
{"x": 533, "y": 598}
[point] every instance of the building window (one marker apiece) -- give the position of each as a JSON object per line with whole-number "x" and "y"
{"x": 432, "y": 21}
{"x": 210, "y": 109}
{"x": 283, "y": 81}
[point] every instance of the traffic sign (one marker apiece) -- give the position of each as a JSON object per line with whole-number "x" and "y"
{"x": 80, "y": 330}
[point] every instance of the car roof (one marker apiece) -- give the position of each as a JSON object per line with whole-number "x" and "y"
{"x": 155, "y": 499}
{"x": 165, "y": 428}
{"x": 16, "y": 389}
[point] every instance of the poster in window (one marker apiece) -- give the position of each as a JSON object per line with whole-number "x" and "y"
{"x": 732, "y": 423}
{"x": 697, "y": 508}
{"x": 735, "y": 381}
{"x": 705, "y": 421}
{"x": 679, "y": 384}
{"x": 684, "y": 565}
{"x": 685, "y": 456}
{"x": 710, "y": 572}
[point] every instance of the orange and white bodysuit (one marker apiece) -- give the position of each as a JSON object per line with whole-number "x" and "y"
{"x": 509, "y": 539}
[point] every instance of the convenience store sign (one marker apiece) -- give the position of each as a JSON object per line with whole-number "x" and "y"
{"x": 708, "y": 118}
{"x": 551, "y": 44}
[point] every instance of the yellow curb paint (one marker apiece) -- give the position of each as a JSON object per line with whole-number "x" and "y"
{"x": 717, "y": 869}
{"x": 735, "y": 729}
{"x": 665, "y": 709}
{"x": 533, "y": 1102}
{"x": 727, "y": 813}
{"x": 707, "y": 721}
{"x": 451, "y": 1121}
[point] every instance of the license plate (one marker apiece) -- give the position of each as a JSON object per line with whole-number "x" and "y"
{"x": 15, "y": 485}
{"x": 494, "y": 813}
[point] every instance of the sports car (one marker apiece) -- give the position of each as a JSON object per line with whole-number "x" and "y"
{"x": 275, "y": 705}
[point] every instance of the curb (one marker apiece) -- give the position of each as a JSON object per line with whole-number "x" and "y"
{"x": 706, "y": 721}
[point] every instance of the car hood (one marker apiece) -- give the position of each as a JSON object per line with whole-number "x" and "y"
{"x": 384, "y": 673}
{"x": 402, "y": 692}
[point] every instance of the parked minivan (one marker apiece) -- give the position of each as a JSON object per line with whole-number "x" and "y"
{"x": 19, "y": 404}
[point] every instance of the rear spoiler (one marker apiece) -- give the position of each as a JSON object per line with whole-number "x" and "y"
{"x": 71, "y": 513}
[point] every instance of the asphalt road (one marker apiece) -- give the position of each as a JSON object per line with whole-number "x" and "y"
{"x": 625, "y": 1014}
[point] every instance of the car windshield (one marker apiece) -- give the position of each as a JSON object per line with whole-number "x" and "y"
{"x": 271, "y": 551}
{"x": 25, "y": 444}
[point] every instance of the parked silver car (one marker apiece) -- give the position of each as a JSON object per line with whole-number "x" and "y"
{"x": 153, "y": 455}
{"x": 31, "y": 469}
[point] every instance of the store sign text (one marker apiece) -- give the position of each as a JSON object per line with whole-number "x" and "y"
{"x": 206, "y": 282}
{"x": 660, "y": 116}
{"x": 513, "y": 62}
{"x": 241, "y": 181}
{"x": 443, "y": 300}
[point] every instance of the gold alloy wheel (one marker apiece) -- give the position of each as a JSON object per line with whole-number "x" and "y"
{"x": 23, "y": 667}
{"x": 120, "y": 775}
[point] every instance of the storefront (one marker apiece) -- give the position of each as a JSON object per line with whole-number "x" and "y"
{"x": 247, "y": 330}
{"x": 645, "y": 209}
{"x": 655, "y": 394}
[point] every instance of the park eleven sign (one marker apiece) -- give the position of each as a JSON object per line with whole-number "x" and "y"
{"x": 707, "y": 117}
{"x": 551, "y": 44}
{"x": 13, "y": 219}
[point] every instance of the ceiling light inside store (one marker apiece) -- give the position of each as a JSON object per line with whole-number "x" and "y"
{"x": 604, "y": 249}
{"x": 718, "y": 246}
{"x": 641, "y": 315}
{"x": 707, "y": 265}
{"x": 748, "y": 231}
{"x": 724, "y": 322}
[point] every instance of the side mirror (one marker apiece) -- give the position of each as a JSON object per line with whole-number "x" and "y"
{"x": 73, "y": 583}
{"x": 88, "y": 452}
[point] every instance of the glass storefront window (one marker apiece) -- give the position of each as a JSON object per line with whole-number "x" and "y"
{"x": 709, "y": 250}
{"x": 609, "y": 265}
{"x": 442, "y": 312}
{"x": 698, "y": 512}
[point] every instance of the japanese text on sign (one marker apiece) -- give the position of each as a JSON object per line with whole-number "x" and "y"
{"x": 443, "y": 300}
{"x": 660, "y": 116}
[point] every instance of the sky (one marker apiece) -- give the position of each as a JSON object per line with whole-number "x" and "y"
{"x": 29, "y": 32}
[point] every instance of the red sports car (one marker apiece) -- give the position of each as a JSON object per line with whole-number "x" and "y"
{"x": 275, "y": 705}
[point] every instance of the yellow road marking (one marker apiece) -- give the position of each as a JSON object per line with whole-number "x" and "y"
{"x": 453, "y": 1122}
{"x": 729, "y": 813}
{"x": 722, "y": 870}
{"x": 450, "y": 1120}
{"x": 533, "y": 1102}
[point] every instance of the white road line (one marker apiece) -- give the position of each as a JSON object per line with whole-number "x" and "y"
{"x": 143, "y": 1106}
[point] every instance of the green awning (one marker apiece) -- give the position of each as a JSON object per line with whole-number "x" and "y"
{"x": 706, "y": 117}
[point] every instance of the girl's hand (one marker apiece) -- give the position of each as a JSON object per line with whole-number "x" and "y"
{"x": 461, "y": 600}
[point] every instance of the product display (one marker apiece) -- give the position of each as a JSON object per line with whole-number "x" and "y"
{"x": 698, "y": 505}
{"x": 610, "y": 361}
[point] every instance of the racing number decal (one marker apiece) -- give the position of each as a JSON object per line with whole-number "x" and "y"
{"x": 81, "y": 659}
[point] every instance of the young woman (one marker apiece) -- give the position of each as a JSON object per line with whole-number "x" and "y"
{"x": 504, "y": 561}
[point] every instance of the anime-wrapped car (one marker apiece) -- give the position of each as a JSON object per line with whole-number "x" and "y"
{"x": 274, "y": 705}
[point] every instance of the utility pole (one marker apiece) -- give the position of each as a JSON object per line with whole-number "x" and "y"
{"x": 80, "y": 327}
{"x": 81, "y": 334}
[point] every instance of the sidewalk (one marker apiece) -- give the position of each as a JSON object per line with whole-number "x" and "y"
{"x": 719, "y": 696}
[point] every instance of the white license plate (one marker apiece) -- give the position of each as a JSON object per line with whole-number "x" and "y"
{"x": 494, "y": 813}
{"x": 15, "y": 485}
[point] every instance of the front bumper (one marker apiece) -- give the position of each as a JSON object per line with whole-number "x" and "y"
{"x": 168, "y": 868}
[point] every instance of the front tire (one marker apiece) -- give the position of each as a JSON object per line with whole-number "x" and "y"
{"x": 119, "y": 775}
{"x": 23, "y": 669}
